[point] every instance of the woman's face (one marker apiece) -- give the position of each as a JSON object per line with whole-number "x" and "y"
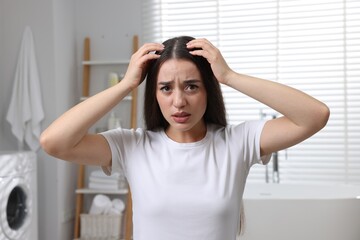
{"x": 182, "y": 98}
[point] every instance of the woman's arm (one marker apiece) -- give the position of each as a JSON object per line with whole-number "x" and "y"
{"x": 303, "y": 114}
{"x": 67, "y": 137}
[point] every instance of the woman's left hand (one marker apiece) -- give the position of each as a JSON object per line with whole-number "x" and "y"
{"x": 203, "y": 47}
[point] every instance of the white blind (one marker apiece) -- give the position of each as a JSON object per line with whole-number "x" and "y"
{"x": 312, "y": 45}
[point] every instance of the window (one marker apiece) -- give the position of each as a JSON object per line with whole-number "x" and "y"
{"x": 312, "y": 45}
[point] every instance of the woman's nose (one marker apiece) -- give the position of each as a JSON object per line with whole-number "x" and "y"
{"x": 179, "y": 100}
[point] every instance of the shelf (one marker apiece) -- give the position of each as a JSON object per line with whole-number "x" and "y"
{"x": 113, "y": 62}
{"x": 100, "y": 191}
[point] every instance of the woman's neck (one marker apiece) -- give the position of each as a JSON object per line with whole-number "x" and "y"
{"x": 194, "y": 134}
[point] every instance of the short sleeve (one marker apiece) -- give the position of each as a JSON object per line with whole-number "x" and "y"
{"x": 250, "y": 132}
{"x": 121, "y": 143}
{"x": 259, "y": 128}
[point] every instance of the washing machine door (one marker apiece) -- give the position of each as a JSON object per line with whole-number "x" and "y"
{"x": 15, "y": 208}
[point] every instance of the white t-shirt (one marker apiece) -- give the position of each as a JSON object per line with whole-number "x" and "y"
{"x": 186, "y": 191}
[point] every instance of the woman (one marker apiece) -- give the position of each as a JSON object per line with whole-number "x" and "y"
{"x": 187, "y": 170}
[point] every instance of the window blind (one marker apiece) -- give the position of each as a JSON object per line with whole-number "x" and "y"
{"x": 312, "y": 45}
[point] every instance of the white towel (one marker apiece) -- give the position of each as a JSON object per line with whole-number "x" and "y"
{"x": 25, "y": 112}
{"x": 103, "y": 180}
{"x": 101, "y": 204}
{"x": 101, "y": 174}
{"x": 118, "y": 206}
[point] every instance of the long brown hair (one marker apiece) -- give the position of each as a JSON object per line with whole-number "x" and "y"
{"x": 175, "y": 48}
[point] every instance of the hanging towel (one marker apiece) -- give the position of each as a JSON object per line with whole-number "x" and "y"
{"x": 25, "y": 112}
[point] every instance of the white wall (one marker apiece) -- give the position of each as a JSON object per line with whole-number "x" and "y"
{"x": 66, "y": 89}
{"x": 15, "y": 15}
{"x": 59, "y": 27}
{"x": 110, "y": 25}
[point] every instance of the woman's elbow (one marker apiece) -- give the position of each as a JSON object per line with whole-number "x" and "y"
{"x": 46, "y": 144}
{"x": 50, "y": 145}
{"x": 322, "y": 117}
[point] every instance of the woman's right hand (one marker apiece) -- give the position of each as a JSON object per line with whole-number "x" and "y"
{"x": 68, "y": 138}
{"x": 137, "y": 68}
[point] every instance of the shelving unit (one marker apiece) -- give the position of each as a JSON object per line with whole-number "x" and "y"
{"x": 81, "y": 190}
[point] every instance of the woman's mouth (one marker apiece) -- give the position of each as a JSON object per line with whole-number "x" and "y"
{"x": 180, "y": 117}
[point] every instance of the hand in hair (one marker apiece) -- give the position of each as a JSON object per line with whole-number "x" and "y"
{"x": 213, "y": 55}
{"x": 137, "y": 68}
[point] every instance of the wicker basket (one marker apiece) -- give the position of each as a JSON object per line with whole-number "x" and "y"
{"x": 100, "y": 226}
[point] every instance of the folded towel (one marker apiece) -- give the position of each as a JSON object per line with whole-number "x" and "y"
{"x": 101, "y": 174}
{"x": 25, "y": 112}
{"x": 103, "y": 180}
{"x": 100, "y": 204}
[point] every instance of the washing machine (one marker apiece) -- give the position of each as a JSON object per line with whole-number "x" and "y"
{"x": 18, "y": 196}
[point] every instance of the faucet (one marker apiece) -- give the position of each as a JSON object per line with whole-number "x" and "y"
{"x": 275, "y": 157}
{"x": 275, "y": 170}
{"x": 276, "y": 174}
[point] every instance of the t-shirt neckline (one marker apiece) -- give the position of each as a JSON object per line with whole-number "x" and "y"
{"x": 189, "y": 144}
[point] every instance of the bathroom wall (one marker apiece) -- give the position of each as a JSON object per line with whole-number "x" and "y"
{"x": 59, "y": 27}
{"x": 66, "y": 89}
{"x": 110, "y": 25}
{"x": 53, "y": 30}
{"x": 15, "y": 15}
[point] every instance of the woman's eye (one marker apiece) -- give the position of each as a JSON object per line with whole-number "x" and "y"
{"x": 192, "y": 87}
{"x": 165, "y": 89}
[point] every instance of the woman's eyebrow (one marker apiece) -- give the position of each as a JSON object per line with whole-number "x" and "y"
{"x": 190, "y": 81}
{"x": 165, "y": 82}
